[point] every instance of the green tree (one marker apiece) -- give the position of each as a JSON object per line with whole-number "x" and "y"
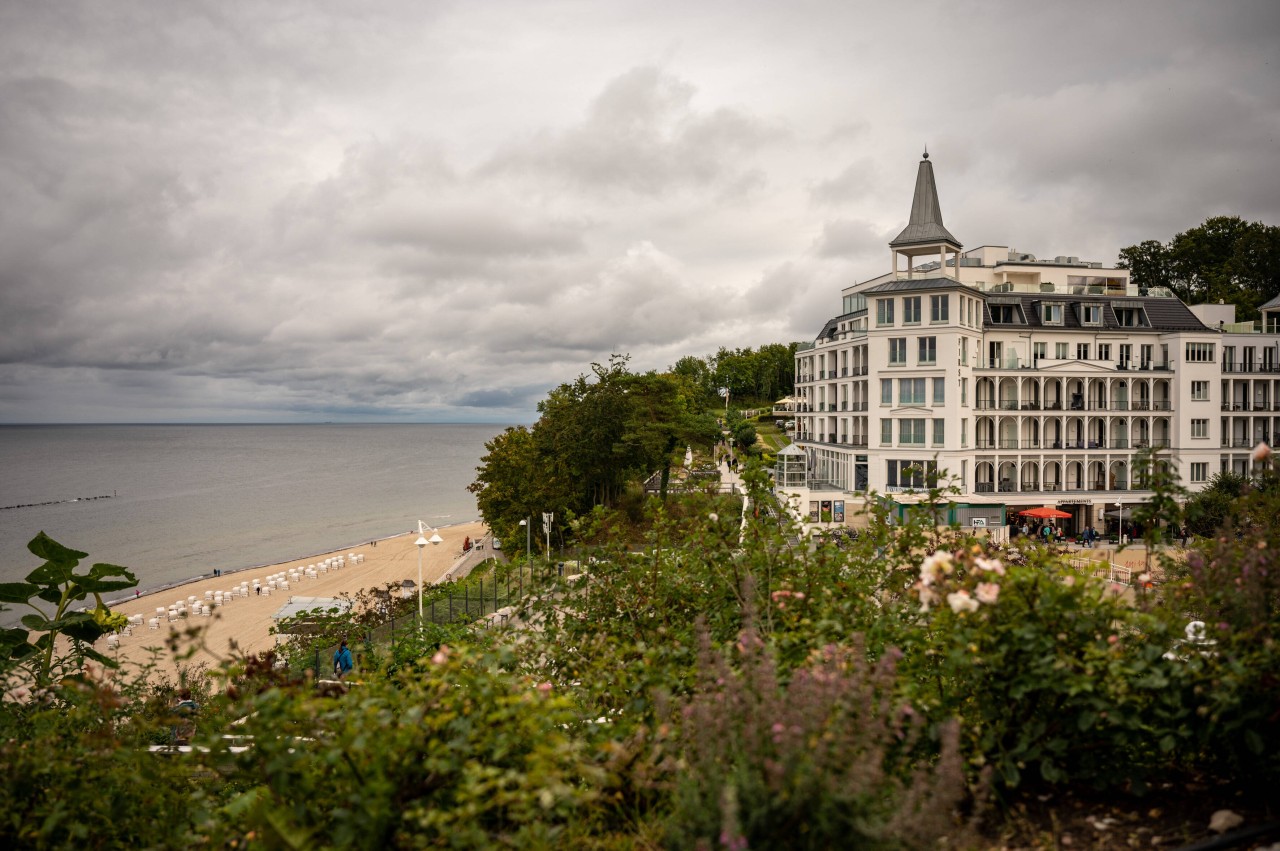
{"x": 1149, "y": 264}
{"x": 1224, "y": 259}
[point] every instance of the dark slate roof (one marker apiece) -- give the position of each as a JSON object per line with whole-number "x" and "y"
{"x": 1275, "y": 302}
{"x": 925, "y": 225}
{"x": 1164, "y": 314}
{"x": 915, "y": 284}
{"x": 830, "y": 329}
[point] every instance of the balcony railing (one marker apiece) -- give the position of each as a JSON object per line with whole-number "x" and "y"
{"x": 1008, "y": 486}
{"x": 1248, "y": 368}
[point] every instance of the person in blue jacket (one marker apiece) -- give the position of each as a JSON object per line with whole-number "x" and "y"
{"x": 342, "y": 662}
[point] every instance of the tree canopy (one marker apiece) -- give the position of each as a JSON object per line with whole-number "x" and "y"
{"x": 750, "y": 375}
{"x": 595, "y": 435}
{"x": 1225, "y": 258}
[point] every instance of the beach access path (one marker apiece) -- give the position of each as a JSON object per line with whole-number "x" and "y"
{"x": 247, "y": 620}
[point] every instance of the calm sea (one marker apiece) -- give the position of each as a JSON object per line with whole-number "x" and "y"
{"x": 188, "y": 499}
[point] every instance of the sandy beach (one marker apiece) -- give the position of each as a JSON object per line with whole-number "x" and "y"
{"x": 248, "y": 620}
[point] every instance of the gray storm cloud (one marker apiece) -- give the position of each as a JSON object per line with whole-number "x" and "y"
{"x": 280, "y": 212}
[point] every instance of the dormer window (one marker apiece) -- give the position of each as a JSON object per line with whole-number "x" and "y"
{"x": 1051, "y": 314}
{"x": 1131, "y": 317}
{"x": 1006, "y": 314}
{"x": 1091, "y": 314}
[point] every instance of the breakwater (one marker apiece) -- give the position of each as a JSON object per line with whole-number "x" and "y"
{"x": 56, "y": 502}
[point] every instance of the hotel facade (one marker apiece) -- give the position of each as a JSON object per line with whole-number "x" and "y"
{"x": 1022, "y": 382}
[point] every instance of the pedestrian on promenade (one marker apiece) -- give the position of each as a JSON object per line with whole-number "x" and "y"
{"x": 342, "y": 662}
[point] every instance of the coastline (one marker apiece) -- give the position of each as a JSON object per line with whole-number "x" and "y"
{"x": 200, "y": 577}
{"x": 243, "y": 625}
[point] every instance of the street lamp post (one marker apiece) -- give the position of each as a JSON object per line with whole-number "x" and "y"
{"x": 1120, "y": 534}
{"x": 421, "y": 543}
{"x": 528, "y": 547}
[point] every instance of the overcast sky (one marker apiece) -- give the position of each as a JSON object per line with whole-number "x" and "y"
{"x": 432, "y": 211}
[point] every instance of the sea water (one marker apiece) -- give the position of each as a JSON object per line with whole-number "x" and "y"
{"x": 182, "y": 500}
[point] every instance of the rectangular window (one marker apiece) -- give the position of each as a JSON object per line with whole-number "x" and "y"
{"x": 1130, "y": 317}
{"x": 1041, "y": 351}
{"x": 964, "y": 391}
{"x": 939, "y": 308}
{"x": 1090, "y": 314}
{"x": 886, "y": 391}
{"x": 886, "y": 432}
{"x": 928, "y": 350}
{"x": 1082, "y": 351}
{"x": 939, "y": 432}
{"x": 1200, "y": 471}
{"x": 1051, "y": 314}
{"x": 1200, "y": 391}
{"x": 911, "y": 310}
{"x": 1060, "y": 350}
{"x": 1006, "y": 314}
{"x": 911, "y": 391}
{"x": 1104, "y": 351}
{"x": 911, "y": 474}
{"x": 1200, "y": 352}
{"x": 964, "y": 351}
{"x": 911, "y": 432}
{"x": 964, "y": 434}
{"x": 1199, "y": 428}
{"x": 939, "y": 391}
{"x": 897, "y": 350}
{"x": 884, "y": 311}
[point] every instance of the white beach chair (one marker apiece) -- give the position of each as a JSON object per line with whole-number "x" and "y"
{"x": 154, "y": 623}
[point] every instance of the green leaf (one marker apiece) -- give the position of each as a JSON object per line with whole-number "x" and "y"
{"x": 50, "y": 550}
{"x": 12, "y": 642}
{"x": 1087, "y": 719}
{"x": 1167, "y": 743}
{"x": 52, "y": 574}
{"x": 37, "y": 622}
{"x": 99, "y": 580}
{"x": 17, "y": 592}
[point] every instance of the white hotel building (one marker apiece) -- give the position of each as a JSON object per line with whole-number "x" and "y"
{"x": 1029, "y": 382}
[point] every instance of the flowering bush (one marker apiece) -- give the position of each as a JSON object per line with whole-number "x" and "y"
{"x": 1049, "y": 672}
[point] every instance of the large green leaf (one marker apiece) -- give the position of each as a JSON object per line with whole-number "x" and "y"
{"x": 79, "y": 625}
{"x": 50, "y": 550}
{"x": 17, "y": 592}
{"x": 52, "y": 573}
{"x": 39, "y": 623}
{"x": 51, "y": 594}
{"x": 12, "y": 642}
{"x": 106, "y": 578}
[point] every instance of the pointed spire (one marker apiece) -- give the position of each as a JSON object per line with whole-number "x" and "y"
{"x": 925, "y": 226}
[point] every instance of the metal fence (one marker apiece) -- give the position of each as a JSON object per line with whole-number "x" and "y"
{"x": 466, "y": 601}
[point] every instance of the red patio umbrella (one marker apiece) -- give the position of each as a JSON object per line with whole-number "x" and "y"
{"x": 1043, "y": 512}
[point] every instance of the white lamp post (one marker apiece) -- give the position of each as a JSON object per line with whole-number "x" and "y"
{"x": 1120, "y": 534}
{"x": 528, "y": 549}
{"x": 421, "y": 543}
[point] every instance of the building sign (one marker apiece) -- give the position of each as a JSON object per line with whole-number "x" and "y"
{"x": 1075, "y": 502}
{"x": 839, "y": 511}
{"x": 813, "y": 511}
{"x": 826, "y": 511}
{"x": 979, "y": 522}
